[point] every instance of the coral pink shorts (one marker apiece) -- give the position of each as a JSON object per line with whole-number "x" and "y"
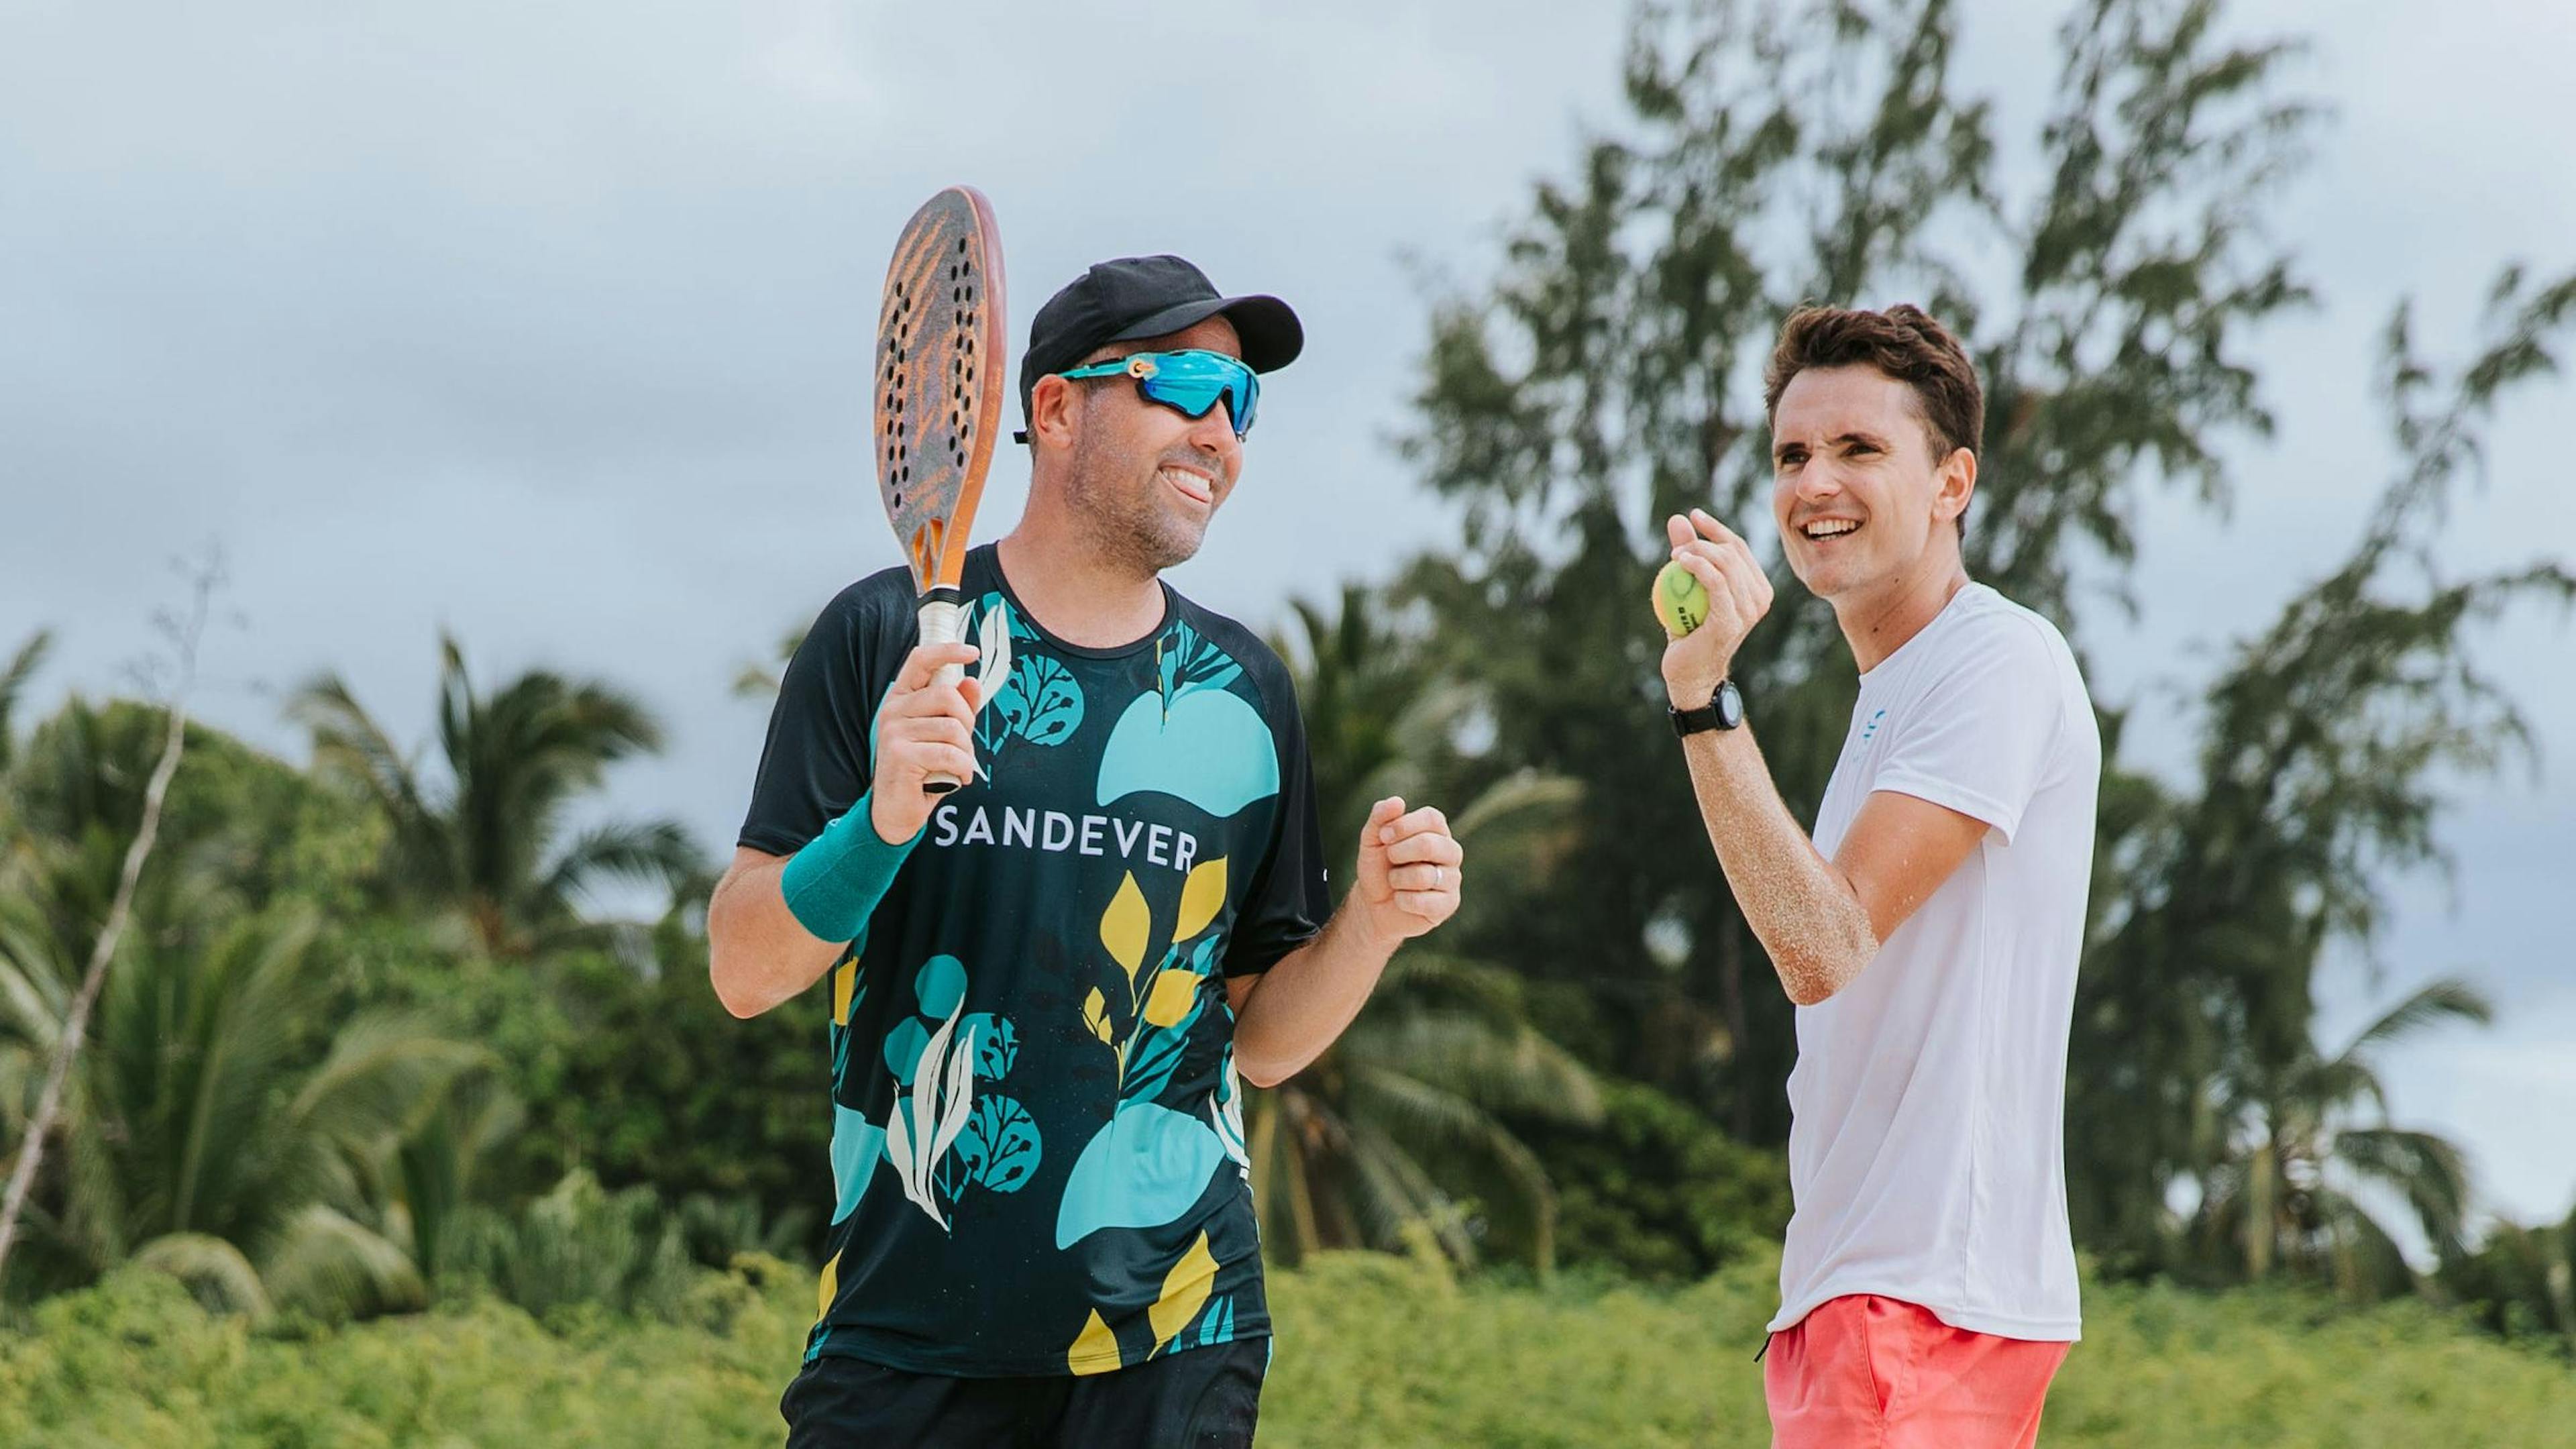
{"x": 1877, "y": 1372}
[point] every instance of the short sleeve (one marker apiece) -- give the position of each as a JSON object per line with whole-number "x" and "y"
{"x": 1980, "y": 739}
{"x": 1288, "y": 901}
{"x": 816, "y": 763}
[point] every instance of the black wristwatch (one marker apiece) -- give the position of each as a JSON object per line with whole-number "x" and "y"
{"x": 1724, "y": 711}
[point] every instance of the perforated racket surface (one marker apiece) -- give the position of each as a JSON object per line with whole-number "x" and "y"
{"x": 939, "y": 374}
{"x": 939, "y": 371}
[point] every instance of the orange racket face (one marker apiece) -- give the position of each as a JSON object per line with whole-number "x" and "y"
{"x": 939, "y": 373}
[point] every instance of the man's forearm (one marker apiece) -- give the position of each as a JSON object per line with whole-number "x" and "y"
{"x": 1303, "y": 1002}
{"x": 758, "y": 955}
{"x": 776, "y": 923}
{"x": 1805, "y": 913}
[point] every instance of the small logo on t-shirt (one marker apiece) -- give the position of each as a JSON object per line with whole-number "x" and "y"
{"x": 1870, "y": 730}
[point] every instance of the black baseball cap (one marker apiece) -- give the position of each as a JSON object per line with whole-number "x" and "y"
{"x": 1132, "y": 297}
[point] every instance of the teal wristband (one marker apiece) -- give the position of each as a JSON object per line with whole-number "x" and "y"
{"x": 835, "y": 882}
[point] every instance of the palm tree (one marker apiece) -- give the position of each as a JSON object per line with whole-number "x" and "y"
{"x": 207, "y": 1130}
{"x": 13, "y": 682}
{"x": 486, "y": 841}
{"x": 760, "y": 678}
{"x": 1372, "y": 1141}
{"x": 2520, "y": 1282}
{"x": 2300, "y": 1149}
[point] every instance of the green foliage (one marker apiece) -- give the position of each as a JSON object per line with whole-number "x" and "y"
{"x": 1379, "y": 1350}
{"x": 577, "y": 1248}
{"x": 2324, "y": 744}
{"x": 1657, "y": 1192}
{"x": 221, "y": 1097}
{"x": 634, "y": 1076}
{"x": 487, "y": 843}
{"x": 22, "y": 666}
{"x": 2298, "y": 1143}
{"x": 1404, "y": 1126}
{"x": 136, "y": 1361}
{"x": 2520, "y": 1283}
{"x": 1610, "y": 375}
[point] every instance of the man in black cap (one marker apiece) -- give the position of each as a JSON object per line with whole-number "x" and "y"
{"x": 1046, "y": 986}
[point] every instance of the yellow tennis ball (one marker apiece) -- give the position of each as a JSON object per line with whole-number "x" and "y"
{"x": 1681, "y": 602}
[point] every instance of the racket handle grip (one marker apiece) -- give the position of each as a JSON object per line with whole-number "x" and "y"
{"x": 943, "y": 621}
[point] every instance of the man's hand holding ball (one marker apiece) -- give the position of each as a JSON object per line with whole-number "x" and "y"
{"x": 1727, "y": 590}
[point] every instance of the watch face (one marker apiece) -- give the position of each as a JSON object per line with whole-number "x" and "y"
{"x": 1730, "y": 705}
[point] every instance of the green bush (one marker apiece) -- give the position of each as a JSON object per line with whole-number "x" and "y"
{"x": 1657, "y": 1191}
{"x": 1379, "y": 1352}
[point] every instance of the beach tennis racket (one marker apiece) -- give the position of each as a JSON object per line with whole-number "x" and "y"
{"x": 939, "y": 372}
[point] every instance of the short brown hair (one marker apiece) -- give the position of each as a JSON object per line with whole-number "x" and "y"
{"x": 1903, "y": 342}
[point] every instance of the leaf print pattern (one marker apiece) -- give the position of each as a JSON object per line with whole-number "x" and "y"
{"x": 997, "y": 1045}
{"x": 1095, "y": 1349}
{"x": 1202, "y": 896}
{"x": 1185, "y": 1290}
{"x": 1036, "y": 698}
{"x": 1184, "y": 661}
{"x": 1000, "y": 1146}
{"x": 924, "y": 1123}
{"x": 1125, "y": 928}
{"x": 1154, "y": 1051}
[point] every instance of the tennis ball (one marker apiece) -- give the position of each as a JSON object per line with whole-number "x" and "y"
{"x": 1680, "y": 600}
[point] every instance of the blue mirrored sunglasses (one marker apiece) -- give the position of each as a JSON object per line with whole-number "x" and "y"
{"x": 1187, "y": 382}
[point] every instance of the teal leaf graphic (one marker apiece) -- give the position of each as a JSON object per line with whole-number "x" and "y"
{"x": 1210, "y": 748}
{"x": 903, "y": 1048}
{"x": 941, "y": 985}
{"x": 1155, "y": 1053}
{"x": 856, "y": 1141}
{"x": 1142, "y": 1170}
{"x": 1216, "y": 1324}
{"x": 1190, "y": 662}
{"x": 1040, "y": 704}
{"x": 1051, "y": 702}
{"x": 1000, "y": 1147}
{"x": 997, "y": 1045}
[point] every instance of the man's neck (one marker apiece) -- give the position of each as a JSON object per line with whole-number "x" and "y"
{"x": 1878, "y": 622}
{"x": 1073, "y": 589}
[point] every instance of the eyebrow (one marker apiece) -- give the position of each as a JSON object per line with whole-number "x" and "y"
{"x": 1872, "y": 439}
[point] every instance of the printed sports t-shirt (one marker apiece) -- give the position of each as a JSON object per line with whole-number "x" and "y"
{"x": 1037, "y": 1159}
{"x": 1927, "y": 1127}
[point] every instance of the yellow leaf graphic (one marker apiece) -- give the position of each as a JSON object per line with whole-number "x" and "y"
{"x": 1170, "y": 999}
{"x": 831, "y": 1285}
{"x": 1202, "y": 896}
{"x": 1095, "y": 1350}
{"x": 1185, "y": 1291}
{"x": 1127, "y": 925}
{"x": 1095, "y": 1014}
{"x": 843, "y": 981}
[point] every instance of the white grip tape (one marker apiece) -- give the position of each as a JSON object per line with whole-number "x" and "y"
{"x": 943, "y": 622}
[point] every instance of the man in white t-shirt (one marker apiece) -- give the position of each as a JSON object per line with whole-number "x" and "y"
{"x": 1929, "y": 932}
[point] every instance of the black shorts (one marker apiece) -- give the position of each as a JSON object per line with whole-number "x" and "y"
{"x": 1205, "y": 1398}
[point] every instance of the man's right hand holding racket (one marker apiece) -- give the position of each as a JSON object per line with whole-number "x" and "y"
{"x": 925, "y": 728}
{"x": 779, "y": 922}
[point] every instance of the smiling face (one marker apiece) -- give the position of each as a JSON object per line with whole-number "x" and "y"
{"x": 1144, "y": 479}
{"x": 1864, "y": 502}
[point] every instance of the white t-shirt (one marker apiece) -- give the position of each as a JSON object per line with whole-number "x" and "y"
{"x": 1927, "y": 1135}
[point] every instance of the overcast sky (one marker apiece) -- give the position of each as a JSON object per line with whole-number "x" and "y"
{"x": 545, "y": 324}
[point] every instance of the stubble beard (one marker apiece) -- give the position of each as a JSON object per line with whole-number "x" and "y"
{"x": 1123, "y": 523}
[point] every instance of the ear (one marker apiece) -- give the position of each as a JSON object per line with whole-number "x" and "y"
{"x": 1055, "y": 413}
{"x": 1954, "y": 485}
